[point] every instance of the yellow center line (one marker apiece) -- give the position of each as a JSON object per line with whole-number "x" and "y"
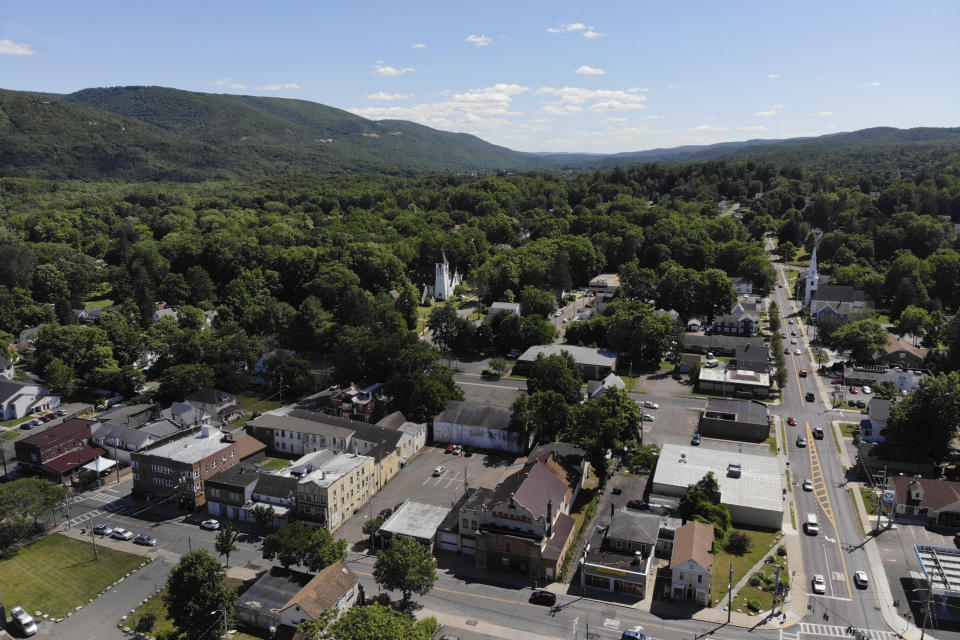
{"x": 823, "y": 498}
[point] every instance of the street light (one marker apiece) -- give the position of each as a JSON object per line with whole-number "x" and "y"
{"x": 926, "y": 608}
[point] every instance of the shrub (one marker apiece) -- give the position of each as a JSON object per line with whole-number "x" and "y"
{"x": 739, "y": 543}
{"x": 755, "y": 580}
{"x": 754, "y": 605}
{"x": 146, "y": 622}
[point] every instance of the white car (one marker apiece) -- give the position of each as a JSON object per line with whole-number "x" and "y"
{"x": 649, "y": 417}
{"x": 866, "y": 390}
{"x": 650, "y": 404}
{"x": 711, "y": 363}
{"x": 819, "y": 586}
{"x": 439, "y": 470}
{"x": 860, "y": 579}
{"x": 797, "y": 352}
{"x": 790, "y": 321}
{"x": 210, "y": 524}
{"x": 808, "y": 485}
{"x": 24, "y": 620}
{"x": 793, "y": 341}
{"x": 102, "y": 529}
{"x": 121, "y": 534}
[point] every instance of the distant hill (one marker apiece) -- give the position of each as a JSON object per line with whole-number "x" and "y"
{"x": 156, "y": 133}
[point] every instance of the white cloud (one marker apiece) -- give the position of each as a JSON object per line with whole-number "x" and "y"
{"x": 555, "y": 110}
{"x": 673, "y": 86}
{"x": 832, "y": 126}
{"x": 387, "y": 70}
{"x": 615, "y": 120}
{"x": 764, "y": 114}
{"x": 419, "y": 45}
{"x": 638, "y": 90}
{"x": 654, "y": 117}
{"x": 389, "y": 96}
{"x": 708, "y": 127}
{"x": 872, "y": 84}
{"x": 473, "y": 109}
{"x": 615, "y": 105}
{"x": 633, "y": 131}
{"x": 279, "y": 87}
{"x": 776, "y": 106}
{"x": 591, "y": 34}
{"x": 480, "y": 41}
{"x": 10, "y": 48}
{"x": 590, "y": 71}
{"x": 573, "y": 26}
{"x": 578, "y": 95}
{"x": 822, "y": 114}
{"x": 773, "y": 76}
{"x": 227, "y": 82}
{"x": 756, "y": 128}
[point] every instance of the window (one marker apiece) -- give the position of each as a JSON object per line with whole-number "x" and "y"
{"x": 233, "y": 453}
{"x": 700, "y": 579}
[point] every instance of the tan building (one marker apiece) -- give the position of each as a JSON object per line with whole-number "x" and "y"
{"x": 331, "y": 492}
{"x": 183, "y": 466}
{"x": 692, "y": 563}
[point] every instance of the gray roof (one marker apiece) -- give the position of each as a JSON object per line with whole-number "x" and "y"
{"x": 121, "y": 413}
{"x": 392, "y": 421}
{"x": 276, "y": 486}
{"x": 416, "y": 520}
{"x": 746, "y": 411}
{"x": 879, "y": 409}
{"x": 582, "y": 355}
{"x": 838, "y": 293}
{"x": 636, "y": 526}
{"x": 184, "y": 413}
{"x": 10, "y": 388}
{"x": 210, "y": 396}
{"x": 122, "y": 436}
{"x": 161, "y": 428}
{"x": 731, "y": 343}
{"x": 753, "y": 350}
{"x": 240, "y": 475}
{"x": 272, "y": 591}
{"x": 385, "y": 439}
{"x": 475, "y": 415}
{"x": 4, "y": 363}
{"x": 512, "y": 307}
{"x": 294, "y": 422}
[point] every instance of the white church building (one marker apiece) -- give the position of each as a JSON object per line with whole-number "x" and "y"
{"x": 445, "y": 282}
{"x": 813, "y": 280}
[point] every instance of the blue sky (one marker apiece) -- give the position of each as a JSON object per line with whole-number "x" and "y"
{"x": 534, "y": 76}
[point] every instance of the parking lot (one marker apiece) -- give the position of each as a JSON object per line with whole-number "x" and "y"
{"x": 416, "y": 482}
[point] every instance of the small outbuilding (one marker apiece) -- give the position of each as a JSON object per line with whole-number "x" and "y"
{"x": 415, "y": 520}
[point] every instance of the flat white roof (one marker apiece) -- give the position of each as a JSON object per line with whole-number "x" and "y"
{"x": 193, "y": 449}
{"x": 416, "y": 520}
{"x": 734, "y": 376}
{"x": 329, "y": 472}
{"x": 759, "y": 485}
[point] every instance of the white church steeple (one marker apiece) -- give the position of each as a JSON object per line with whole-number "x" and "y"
{"x": 813, "y": 279}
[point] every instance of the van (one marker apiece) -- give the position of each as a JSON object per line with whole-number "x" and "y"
{"x": 812, "y": 525}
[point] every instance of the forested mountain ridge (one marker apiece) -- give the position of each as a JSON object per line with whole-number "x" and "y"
{"x": 157, "y": 133}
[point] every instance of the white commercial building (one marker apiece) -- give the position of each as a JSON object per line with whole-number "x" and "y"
{"x": 750, "y": 484}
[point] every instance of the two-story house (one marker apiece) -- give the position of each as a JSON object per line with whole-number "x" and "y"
{"x": 618, "y": 557}
{"x": 691, "y": 564}
{"x": 217, "y": 403}
{"x": 6, "y": 369}
{"x": 60, "y": 450}
{"x": 900, "y": 353}
{"x": 19, "y": 399}
{"x": 745, "y": 324}
{"x": 365, "y": 405}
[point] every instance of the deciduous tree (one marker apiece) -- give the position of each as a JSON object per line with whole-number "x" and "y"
{"x": 406, "y": 566}
{"x": 195, "y": 589}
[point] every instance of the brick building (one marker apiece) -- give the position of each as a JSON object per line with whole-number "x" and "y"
{"x": 60, "y": 450}
{"x": 180, "y": 469}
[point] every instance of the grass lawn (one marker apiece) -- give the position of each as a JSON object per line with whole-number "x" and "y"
{"x": 870, "y": 500}
{"x": 56, "y": 574}
{"x": 161, "y": 624}
{"x": 772, "y": 441}
{"x": 10, "y": 435}
{"x": 763, "y": 591}
{"x": 762, "y": 542}
{"x": 273, "y": 463}
{"x": 846, "y": 428}
{"x": 13, "y": 422}
{"x": 99, "y": 302}
{"x": 853, "y": 501}
{"x": 249, "y": 404}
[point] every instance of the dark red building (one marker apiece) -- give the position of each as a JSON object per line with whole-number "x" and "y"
{"x": 60, "y": 450}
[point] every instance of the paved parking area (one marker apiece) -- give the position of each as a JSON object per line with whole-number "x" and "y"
{"x": 679, "y": 412}
{"x": 416, "y": 482}
{"x": 900, "y": 562}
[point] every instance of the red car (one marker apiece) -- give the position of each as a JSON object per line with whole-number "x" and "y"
{"x": 854, "y": 390}
{"x": 450, "y": 448}
{"x": 792, "y": 421}
{"x": 837, "y": 381}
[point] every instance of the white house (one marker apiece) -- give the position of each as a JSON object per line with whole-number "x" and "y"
{"x": 6, "y": 369}
{"x": 902, "y": 379}
{"x": 692, "y": 562}
{"x": 878, "y": 412}
{"x": 480, "y": 426}
{"x": 19, "y": 399}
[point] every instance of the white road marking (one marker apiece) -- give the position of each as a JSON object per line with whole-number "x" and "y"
{"x": 611, "y": 623}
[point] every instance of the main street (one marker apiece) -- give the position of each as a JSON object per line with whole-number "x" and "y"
{"x": 839, "y": 549}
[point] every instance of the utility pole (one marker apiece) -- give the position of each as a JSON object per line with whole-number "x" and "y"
{"x": 3, "y": 458}
{"x": 880, "y": 492}
{"x": 67, "y": 503}
{"x": 116, "y": 459}
{"x": 730, "y": 593}
{"x": 93, "y": 538}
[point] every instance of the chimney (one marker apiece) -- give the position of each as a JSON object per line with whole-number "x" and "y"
{"x": 550, "y": 518}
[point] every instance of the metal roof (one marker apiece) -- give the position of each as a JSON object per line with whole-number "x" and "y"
{"x": 582, "y": 355}
{"x": 942, "y": 568}
{"x": 415, "y": 520}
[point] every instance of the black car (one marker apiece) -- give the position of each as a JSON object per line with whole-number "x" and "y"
{"x": 545, "y": 598}
{"x": 810, "y": 397}
{"x": 616, "y": 491}
{"x": 639, "y": 505}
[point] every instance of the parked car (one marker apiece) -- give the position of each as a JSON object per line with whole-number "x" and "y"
{"x": 649, "y": 417}
{"x": 26, "y": 426}
{"x": 810, "y": 397}
{"x": 793, "y": 333}
{"x": 790, "y": 321}
{"x": 866, "y": 389}
{"x": 854, "y": 390}
{"x": 47, "y": 418}
{"x": 641, "y": 505}
{"x": 145, "y": 540}
{"x": 210, "y": 524}
{"x": 711, "y": 363}
{"x": 793, "y": 341}
{"x": 808, "y": 485}
{"x": 860, "y": 404}
{"x": 696, "y": 439}
{"x": 819, "y": 585}
{"x": 616, "y": 491}
{"x": 61, "y": 412}
{"x": 837, "y": 381}
{"x": 797, "y": 352}
{"x": 786, "y": 350}
{"x": 650, "y": 404}
{"x": 450, "y": 448}
{"x": 102, "y": 529}
{"x": 121, "y": 534}
{"x": 546, "y": 598}
{"x": 791, "y": 421}
{"x": 24, "y": 621}
{"x": 860, "y": 579}
{"x": 457, "y": 450}
{"x": 439, "y": 470}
